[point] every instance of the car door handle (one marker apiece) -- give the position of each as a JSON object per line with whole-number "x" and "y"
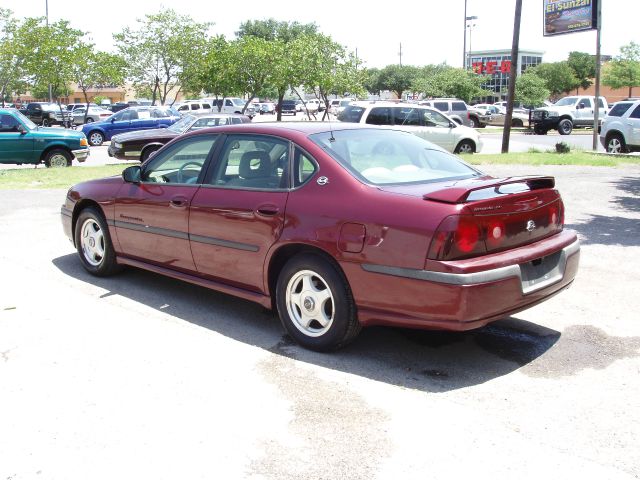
{"x": 179, "y": 202}
{"x": 268, "y": 210}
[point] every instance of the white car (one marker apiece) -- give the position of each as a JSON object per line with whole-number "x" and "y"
{"x": 96, "y": 114}
{"x": 620, "y": 132}
{"x": 313, "y": 105}
{"x": 425, "y": 122}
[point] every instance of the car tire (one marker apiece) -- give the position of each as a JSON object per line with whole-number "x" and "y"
{"x": 517, "y": 123}
{"x": 565, "y": 127}
{"x": 315, "y": 304}
{"x": 616, "y": 144}
{"x": 89, "y": 120}
{"x": 93, "y": 243}
{"x": 95, "y": 138}
{"x": 473, "y": 122}
{"x": 46, "y": 122}
{"x": 58, "y": 158}
{"x": 465, "y": 146}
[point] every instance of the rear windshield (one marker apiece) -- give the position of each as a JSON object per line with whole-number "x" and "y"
{"x": 352, "y": 113}
{"x": 619, "y": 109}
{"x": 391, "y": 157}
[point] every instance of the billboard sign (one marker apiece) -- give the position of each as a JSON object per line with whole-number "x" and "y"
{"x": 568, "y": 16}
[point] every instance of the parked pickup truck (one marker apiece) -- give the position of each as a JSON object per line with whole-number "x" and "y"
{"x": 22, "y": 141}
{"x": 46, "y": 114}
{"x": 567, "y": 113}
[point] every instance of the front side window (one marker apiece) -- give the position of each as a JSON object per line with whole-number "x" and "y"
{"x": 385, "y": 157}
{"x": 182, "y": 163}
{"x": 407, "y": 116}
{"x": 195, "y": 106}
{"x": 252, "y": 161}
{"x": 435, "y": 119}
{"x": 585, "y": 103}
{"x": 8, "y": 124}
{"x": 619, "y": 109}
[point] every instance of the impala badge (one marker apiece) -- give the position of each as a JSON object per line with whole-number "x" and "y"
{"x": 531, "y": 225}
{"x": 323, "y": 181}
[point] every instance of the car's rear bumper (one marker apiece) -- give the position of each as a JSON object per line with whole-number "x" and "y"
{"x": 465, "y": 294}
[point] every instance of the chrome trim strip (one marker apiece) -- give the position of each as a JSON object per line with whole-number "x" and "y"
{"x": 66, "y": 212}
{"x": 156, "y": 230}
{"x": 185, "y": 236}
{"x": 481, "y": 277}
{"x": 224, "y": 243}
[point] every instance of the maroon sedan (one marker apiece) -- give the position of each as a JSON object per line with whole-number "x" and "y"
{"x": 335, "y": 228}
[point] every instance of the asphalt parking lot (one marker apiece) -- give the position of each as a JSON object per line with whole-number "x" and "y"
{"x": 139, "y": 376}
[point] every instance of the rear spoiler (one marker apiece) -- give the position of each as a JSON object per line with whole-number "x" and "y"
{"x": 459, "y": 193}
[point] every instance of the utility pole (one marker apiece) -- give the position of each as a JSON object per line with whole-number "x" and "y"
{"x": 47, "y": 12}
{"x": 400, "y": 54}
{"x": 596, "y": 110}
{"x": 506, "y": 133}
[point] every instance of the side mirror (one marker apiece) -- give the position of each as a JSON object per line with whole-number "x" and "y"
{"x": 580, "y": 106}
{"x": 132, "y": 174}
{"x": 452, "y": 124}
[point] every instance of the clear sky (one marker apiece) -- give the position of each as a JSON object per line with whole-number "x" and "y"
{"x": 430, "y": 31}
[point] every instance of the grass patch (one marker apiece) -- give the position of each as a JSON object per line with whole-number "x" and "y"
{"x": 552, "y": 158}
{"x": 42, "y": 177}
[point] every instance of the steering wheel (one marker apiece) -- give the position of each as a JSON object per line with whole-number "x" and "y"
{"x": 383, "y": 148}
{"x": 182, "y": 167}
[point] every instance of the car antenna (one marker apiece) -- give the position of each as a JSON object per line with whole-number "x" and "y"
{"x": 332, "y": 138}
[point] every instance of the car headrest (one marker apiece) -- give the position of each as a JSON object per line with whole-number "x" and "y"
{"x": 255, "y": 164}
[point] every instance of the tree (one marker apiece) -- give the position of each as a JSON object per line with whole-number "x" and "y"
{"x": 160, "y": 52}
{"x": 97, "y": 69}
{"x": 12, "y": 57}
{"x": 531, "y": 89}
{"x": 288, "y": 40}
{"x": 624, "y": 70}
{"x": 216, "y": 75}
{"x": 272, "y": 30}
{"x": 559, "y": 77}
{"x": 371, "y": 81}
{"x": 584, "y": 68}
{"x": 428, "y": 81}
{"x": 446, "y": 81}
{"x": 398, "y": 78}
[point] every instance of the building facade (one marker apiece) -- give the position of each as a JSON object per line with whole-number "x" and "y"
{"x": 497, "y": 65}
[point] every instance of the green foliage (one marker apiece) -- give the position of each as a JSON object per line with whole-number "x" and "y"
{"x": 398, "y": 78}
{"x": 584, "y": 68}
{"x": 444, "y": 81}
{"x": 624, "y": 70}
{"x": 531, "y": 89}
{"x": 272, "y": 30}
{"x": 559, "y": 77}
{"x": 163, "y": 53}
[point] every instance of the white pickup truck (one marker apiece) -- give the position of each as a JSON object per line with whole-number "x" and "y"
{"x": 567, "y": 113}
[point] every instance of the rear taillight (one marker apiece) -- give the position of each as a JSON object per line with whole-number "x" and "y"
{"x": 458, "y": 236}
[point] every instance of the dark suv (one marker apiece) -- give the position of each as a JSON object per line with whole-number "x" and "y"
{"x": 289, "y": 106}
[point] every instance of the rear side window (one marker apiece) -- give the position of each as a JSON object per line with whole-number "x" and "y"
{"x": 619, "y": 109}
{"x": 442, "y": 106}
{"x": 635, "y": 113}
{"x": 195, "y": 106}
{"x": 458, "y": 106}
{"x": 379, "y": 116}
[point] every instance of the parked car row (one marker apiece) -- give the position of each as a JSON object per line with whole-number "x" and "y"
{"x": 423, "y": 121}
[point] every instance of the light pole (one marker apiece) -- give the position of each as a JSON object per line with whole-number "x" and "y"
{"x": 464, "y": 43}
{"x": 469, "y": 23}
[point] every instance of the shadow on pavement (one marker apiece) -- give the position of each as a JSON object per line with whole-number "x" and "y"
{"x": 423, "y": 360}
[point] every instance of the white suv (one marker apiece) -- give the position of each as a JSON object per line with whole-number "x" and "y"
{"x": 620, "y": 132}
{"x": 422, "y": 121}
